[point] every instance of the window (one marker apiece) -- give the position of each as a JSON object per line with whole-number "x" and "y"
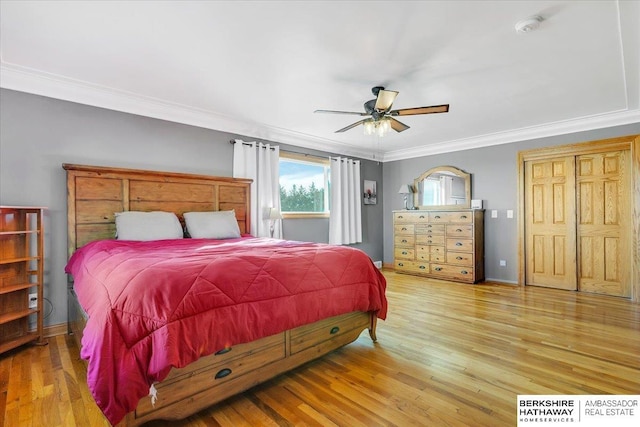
{"x": 304, "y": 185}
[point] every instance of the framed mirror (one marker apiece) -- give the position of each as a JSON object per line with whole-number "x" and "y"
{"x": 442, "y": 187}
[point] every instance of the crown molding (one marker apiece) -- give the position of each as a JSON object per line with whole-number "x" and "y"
{"x": 54, "y": 86}
{"x": 581, "y": 124}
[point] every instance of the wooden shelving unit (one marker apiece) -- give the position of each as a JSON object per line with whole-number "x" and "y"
{"x": 21, "y": 274}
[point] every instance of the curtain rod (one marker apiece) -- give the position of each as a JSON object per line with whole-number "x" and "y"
{"x": 296, "y": 152}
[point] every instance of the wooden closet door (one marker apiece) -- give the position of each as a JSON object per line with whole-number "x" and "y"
{"x": 550, "y": 237}
{"x": 604, "y": 229}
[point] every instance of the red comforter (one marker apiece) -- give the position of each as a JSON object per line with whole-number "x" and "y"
{"x": 154, "y": 305}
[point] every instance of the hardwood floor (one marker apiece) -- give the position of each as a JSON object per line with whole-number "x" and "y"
{"x": 448, "y": 354}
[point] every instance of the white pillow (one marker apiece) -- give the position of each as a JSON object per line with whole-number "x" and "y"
{"x": 212, "y": 225}
{"x": 135, "y": 225}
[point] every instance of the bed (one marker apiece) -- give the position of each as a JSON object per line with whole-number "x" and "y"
{"x": 171, "y": 326}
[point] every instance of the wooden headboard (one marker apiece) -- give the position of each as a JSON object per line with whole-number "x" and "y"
{"x": 95, "y": 194}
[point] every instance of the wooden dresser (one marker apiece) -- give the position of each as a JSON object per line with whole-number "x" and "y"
{"x": 440, "y": 244}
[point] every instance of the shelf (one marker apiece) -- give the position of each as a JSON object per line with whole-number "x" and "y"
{"x": 14, "y": 260}
{"x": 21, "y": 274}
{"x": 28, "y": 337}
{"x": 18, "y": 232}
{"x": 16, "y": 287}
{"x": 14, "y": 315}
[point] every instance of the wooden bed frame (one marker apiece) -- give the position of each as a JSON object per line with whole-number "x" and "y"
{"x": 95, "y": 193}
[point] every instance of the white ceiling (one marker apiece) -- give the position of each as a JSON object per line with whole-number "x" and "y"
{"x": 261, "y": 68}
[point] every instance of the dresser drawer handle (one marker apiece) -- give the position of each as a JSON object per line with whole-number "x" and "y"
{"x": 438, "y": 269}
{"x": 404, "y": 228}
{"x": 437, "y": 217}
{"x": 404, "y": 240}
{"x": 463, "y": 217}
{"x": 223, "y": 373}
{"x": 334, "y": 330}
{"x": 429, "y": 226}
{"x": 405, "y": 253}
{"x": 422, "y": 267}
{"x": 458, "y": 230}
{"x": 458, "y": 257}
{"x": 429, "y": 241}
{"x": 400, "y": 216}
{"x": 458, "y": 244}
{"x": 421, "y": 217}
{"x": 464, "y": 272}
{"x": 400, "y": 264}
{"x": 223, "y": 351}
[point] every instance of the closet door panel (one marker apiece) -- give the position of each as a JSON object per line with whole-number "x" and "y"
{"x": 604, "y": 250}
{"x": 550, "y": 223}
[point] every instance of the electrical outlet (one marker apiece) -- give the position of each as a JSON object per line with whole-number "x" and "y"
{"x": 503, "y": 263}
{"x": 33, "y": 300}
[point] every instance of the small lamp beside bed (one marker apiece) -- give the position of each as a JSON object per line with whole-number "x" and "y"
{"x": 272, "y": 214}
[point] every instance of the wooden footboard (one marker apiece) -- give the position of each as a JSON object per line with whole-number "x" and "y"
{"x": 216, "y": 377}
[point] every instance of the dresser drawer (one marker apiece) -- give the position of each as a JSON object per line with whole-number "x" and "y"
{"x": 412, "y": 266}
{"x": 403, "y": 228}
{"x": 460, "y": 258}
{"x": 423, "y": 254}
{"x": 438, "y": 258}
{"x": 411, "y": 217}
{"x": 429, "y": 239}
{"x": 462, "y": 245}
{"x": 404, "y": 240}
{"x": 439, "y": 250}
{"x": 404, "y": 253}
{"x": 451, "y": 217}
{"x": 310, "y": 335}
{"x": 459, "y": 230}
{"x": 430, "y": 228}
{"x": 454, "y": 272}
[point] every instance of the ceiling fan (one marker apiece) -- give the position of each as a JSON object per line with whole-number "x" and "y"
{"x": 382, "y": 116}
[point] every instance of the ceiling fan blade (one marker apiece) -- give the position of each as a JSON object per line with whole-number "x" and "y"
{"x": 351, "y": 126}
{"x": 385, "y": 99}
{"x": 397, "y": 125}
{"x": 420, "y": 110}
{"x": 341, "y": 112}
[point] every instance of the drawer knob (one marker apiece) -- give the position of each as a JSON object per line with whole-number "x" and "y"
{"x": 334, "y": 330}
{"x": 223, "y": 351}
{"x": 422, "y": 267}
{"x": 464, "y": 272}
{"x": 223, "y": 373}
{"x": 458, "y": 257}
{"x": 438, "y": 269}
{"x": 458, "y": 244}
{"x": 400, "y": 264}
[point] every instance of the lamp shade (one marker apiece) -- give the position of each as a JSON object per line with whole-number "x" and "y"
{"x": 404, "y": 189}
{"x": 274, "y": 213}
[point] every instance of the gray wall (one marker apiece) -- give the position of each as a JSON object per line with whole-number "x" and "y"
{"x": 39, "y": 134}
{"x": 494, "y": 180}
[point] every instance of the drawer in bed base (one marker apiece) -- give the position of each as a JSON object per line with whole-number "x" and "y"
{"x": 211, "y": 393}
{"x": 263, "y": 352}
